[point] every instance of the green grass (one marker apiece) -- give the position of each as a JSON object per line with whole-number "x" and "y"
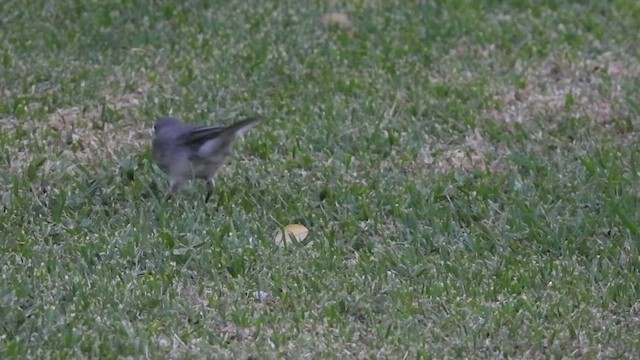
{"x": 468, "y": 173}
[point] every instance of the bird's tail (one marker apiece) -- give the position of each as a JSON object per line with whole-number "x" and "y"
{"x": 241, "y": 126}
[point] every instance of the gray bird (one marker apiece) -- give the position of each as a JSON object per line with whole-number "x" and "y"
{"x": 185, "y": 152}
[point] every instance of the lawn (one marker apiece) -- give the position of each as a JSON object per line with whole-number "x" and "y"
{"x": 467, "y": 171}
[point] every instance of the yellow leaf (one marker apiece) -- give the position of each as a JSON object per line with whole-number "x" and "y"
{"x": 291, "y": 234}
{"x": 338, "y": 20}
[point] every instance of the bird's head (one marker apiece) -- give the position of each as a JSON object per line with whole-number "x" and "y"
{"x": 165, "y": 122}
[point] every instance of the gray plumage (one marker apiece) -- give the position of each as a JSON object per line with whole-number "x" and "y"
{"x": 185, "y": 152}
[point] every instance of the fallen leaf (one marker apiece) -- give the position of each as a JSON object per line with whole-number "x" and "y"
{"x": 291, "y": 234}
{"x": 338, "y": 20}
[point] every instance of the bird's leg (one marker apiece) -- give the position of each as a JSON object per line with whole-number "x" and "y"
{"x": 174, "y": 187}
{"x": 209, "y": 190}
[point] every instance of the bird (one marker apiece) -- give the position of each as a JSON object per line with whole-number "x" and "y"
{"x": 185, "y": 152}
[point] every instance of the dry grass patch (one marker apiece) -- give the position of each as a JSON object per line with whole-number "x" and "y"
{"x": 475, "y": 154}
{"x": 590, "y": 88}
{"x": 82, "y": 134}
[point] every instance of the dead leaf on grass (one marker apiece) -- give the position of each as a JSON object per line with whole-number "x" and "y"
{"x": 291, "y": 234}
{"x": 337, "y": 20}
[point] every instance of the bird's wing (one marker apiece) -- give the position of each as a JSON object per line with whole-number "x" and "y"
{"x": 205, "y": 140}
{"x": 200, "y": 134}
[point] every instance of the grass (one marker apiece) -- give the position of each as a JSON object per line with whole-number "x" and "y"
{"x": 468, "y": 172}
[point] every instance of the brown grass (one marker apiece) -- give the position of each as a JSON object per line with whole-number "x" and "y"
{"x": 589, "y": 88}
{"x": 79, "y": 134}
